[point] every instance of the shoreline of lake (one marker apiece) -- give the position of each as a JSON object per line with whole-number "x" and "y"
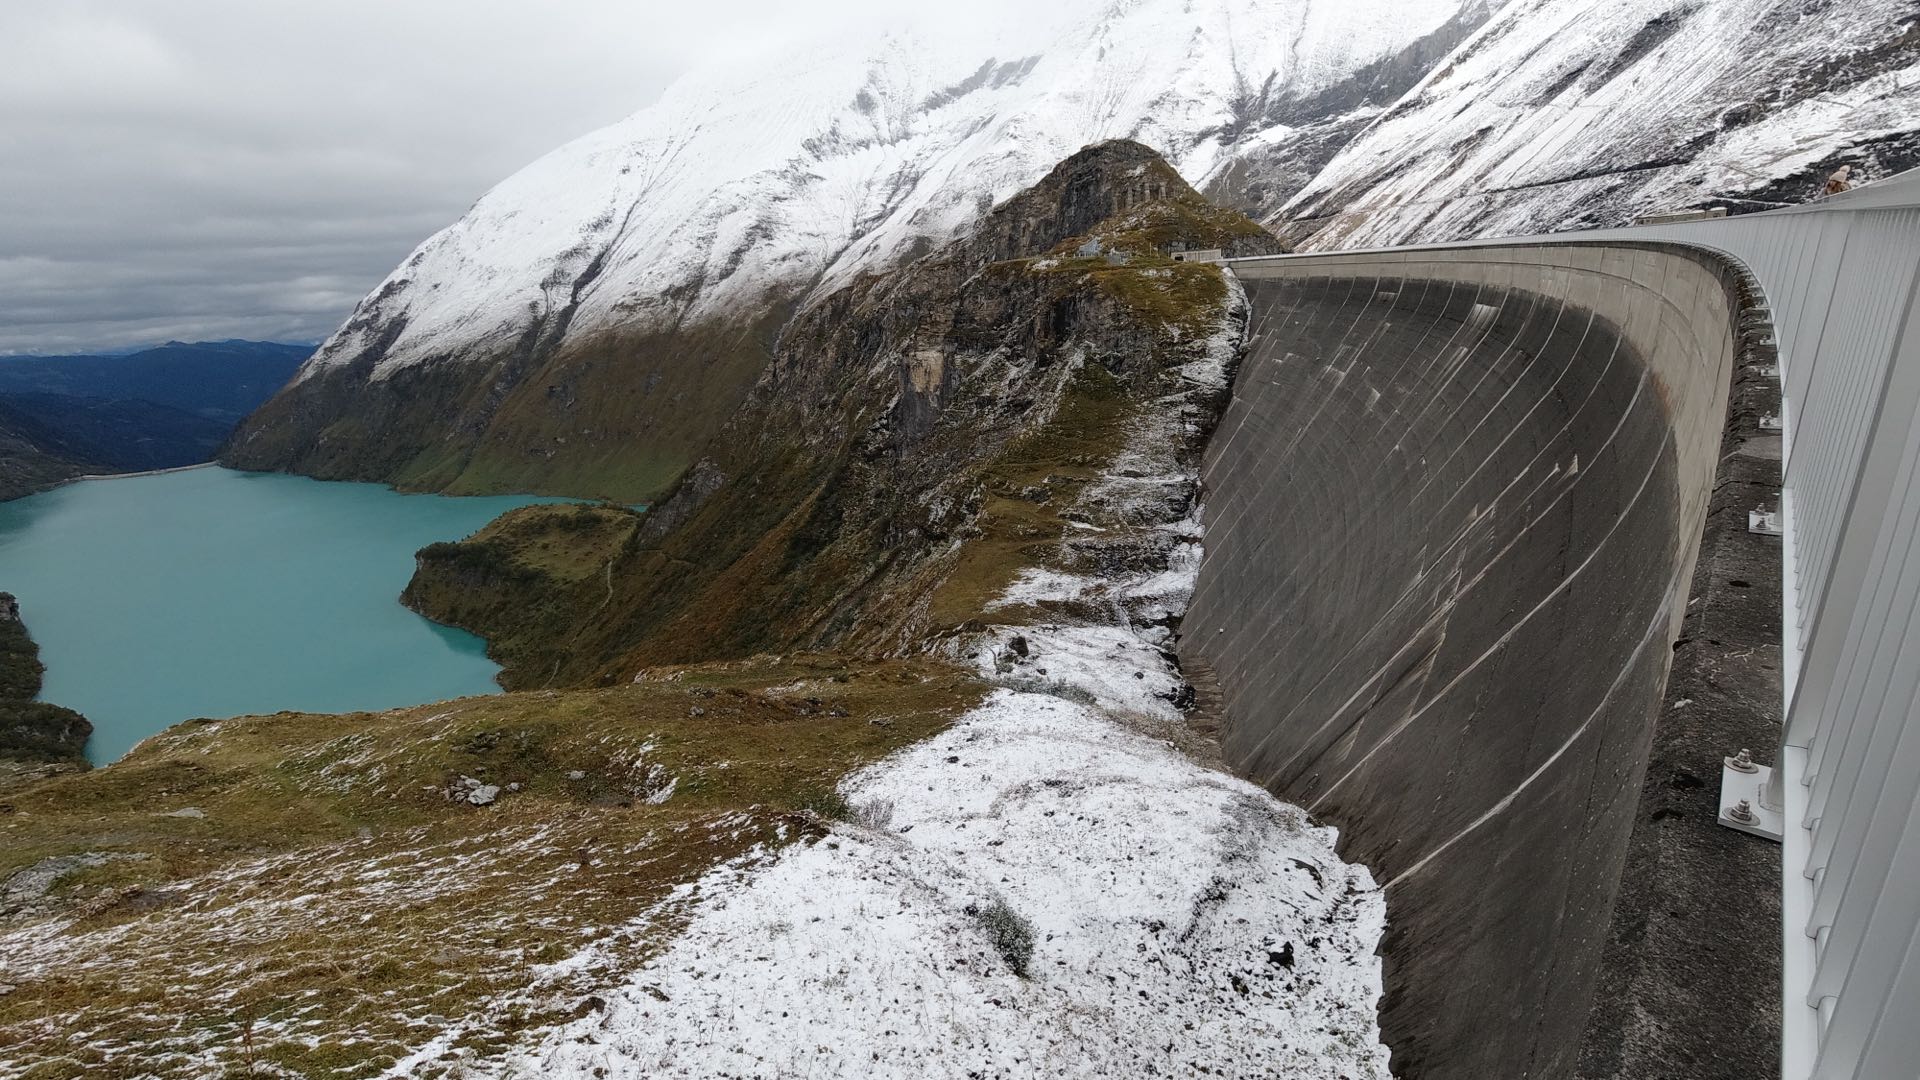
{"x": 207, "y": 592}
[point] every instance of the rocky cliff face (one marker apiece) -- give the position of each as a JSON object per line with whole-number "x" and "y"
{"x": 916, "y": 437}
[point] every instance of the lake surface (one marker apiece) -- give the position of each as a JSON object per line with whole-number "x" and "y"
{"x": 156, "y": 599}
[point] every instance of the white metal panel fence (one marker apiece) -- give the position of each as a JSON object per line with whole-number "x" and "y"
{"x": 1840, "y": 277}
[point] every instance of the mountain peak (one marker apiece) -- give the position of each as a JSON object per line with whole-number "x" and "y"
{"x": 678, "y": 242}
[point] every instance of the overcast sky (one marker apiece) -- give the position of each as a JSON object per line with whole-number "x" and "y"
{"x": 206, "y": 169}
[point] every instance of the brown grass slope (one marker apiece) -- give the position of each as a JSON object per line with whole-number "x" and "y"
{"x": 299, "y": 895}
{"x": 610, "y": 416}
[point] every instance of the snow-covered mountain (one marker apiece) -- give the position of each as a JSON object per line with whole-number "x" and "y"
{"x": 1559, "y": 115}
{"x": 653, "y": 263}
{"x": 820, "y": 167}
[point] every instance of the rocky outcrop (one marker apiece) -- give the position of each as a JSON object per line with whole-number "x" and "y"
{"x": 843, "y": 504}
{"x": 527, "y": 582}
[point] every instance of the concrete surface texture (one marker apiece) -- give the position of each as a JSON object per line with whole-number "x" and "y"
{"x": 1452, "y": 518}
{"x": 1689, "y": 981}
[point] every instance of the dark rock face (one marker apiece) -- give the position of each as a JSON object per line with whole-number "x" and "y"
{"x": 1451, "y": 520}
{"x": 1262, "y": 180}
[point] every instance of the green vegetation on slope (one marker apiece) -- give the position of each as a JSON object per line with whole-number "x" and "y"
{"x": 526, "y": 582}
{"x": 615, "y": 416}
{"x": 1025, "y": 490}
{"x": 32, "y": 732}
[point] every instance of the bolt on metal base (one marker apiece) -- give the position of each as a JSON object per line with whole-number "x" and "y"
{"x": 1742, "y": 782}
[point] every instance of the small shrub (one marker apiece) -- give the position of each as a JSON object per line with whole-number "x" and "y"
{"x": 1009, "y": 932}
{"x": 877, "y": 814}
{"x": 827, "y": 803}
{"x": 1027, "y": 684}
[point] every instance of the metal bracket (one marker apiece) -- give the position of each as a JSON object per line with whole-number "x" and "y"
{"x": 1766, "y": 371}
{"x": 1740, "y": 800}
{"x": 1764, "y": 522}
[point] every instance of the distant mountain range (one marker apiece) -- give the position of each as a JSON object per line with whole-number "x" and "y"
{"x": 66, "y": 416}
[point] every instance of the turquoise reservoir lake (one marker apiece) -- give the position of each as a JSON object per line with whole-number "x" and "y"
{"x": 156, "y": 599}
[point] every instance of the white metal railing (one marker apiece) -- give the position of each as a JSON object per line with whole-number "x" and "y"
{"x": 1840, "y": 278}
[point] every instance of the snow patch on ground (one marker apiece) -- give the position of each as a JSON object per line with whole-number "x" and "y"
{"x": 1179, "y": 919}
{"x": 1040, "y": 585}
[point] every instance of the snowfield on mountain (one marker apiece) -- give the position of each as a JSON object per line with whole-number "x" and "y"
{"x": 745, "y": 182}
{"x": 1533, "y": 126}
{"x": 823, "y": 165}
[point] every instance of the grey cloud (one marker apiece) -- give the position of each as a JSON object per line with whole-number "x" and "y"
{"x": 232, "y": 168}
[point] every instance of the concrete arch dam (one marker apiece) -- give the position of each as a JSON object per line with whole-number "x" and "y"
{"x": 1452, "y": 515}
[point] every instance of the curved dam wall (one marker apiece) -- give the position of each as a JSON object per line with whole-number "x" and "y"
{"x": 1451, "y": 518}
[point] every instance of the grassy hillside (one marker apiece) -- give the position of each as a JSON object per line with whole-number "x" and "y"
{"x": 616, "y": 417}
{"x": 308, "y": 894}
{"x": 528, "y": 581}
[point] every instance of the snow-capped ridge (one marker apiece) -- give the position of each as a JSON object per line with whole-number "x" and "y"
{"x": 818, "y": 168}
